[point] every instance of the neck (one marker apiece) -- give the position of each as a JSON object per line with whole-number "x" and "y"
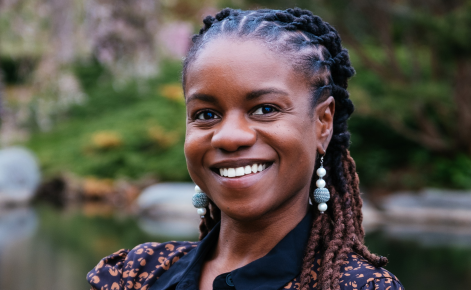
{"x": 241, "y": 242}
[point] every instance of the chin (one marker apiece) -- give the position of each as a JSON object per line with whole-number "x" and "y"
{"x": 246, "y": 212}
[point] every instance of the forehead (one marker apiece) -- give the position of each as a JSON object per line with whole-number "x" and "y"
{"x": 242, "y": 64}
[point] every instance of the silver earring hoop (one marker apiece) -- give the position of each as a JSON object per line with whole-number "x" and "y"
{"x": 200, "y": 201}
{"x": 321, "y": 194}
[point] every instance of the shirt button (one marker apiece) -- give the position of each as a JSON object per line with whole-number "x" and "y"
{"x": 229, "y": 280}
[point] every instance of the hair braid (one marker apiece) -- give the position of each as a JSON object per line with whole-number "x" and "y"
{"x": 350, "y": 227}
{"x": 358, "y": 216}
{"x": 377, "y": 261}
{"x": 334, "y": 245}
{"x": 314, "y": 241}
{"x": 315, "y": 49}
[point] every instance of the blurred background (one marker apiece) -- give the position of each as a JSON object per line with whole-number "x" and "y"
{"x": 93, "y": 124}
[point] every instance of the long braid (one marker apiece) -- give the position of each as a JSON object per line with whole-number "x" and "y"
{"x": 334, "y": 245}
{"x": 350, "y": 227}
{"x": 354, "y": 183}
{"x": 377, "y": 261}
{"x": 316, "y": 50}
{"x": 314, "y": 240}
{"x": 353, "y": 197}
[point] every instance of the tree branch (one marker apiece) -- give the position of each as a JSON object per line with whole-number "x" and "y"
{"x": 462, "y": 98}
{"x": 436, "y": 144}
{"x": 370, "y": 63}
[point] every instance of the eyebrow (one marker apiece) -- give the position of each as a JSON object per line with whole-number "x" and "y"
{"x": 258, "y": 93}
{"x": 202, "y": 97}
{"x": 250, "y": 96}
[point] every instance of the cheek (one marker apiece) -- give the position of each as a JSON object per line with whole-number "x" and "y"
{"x": 296, "y": 141}
{"x": 197, "y": 144}
{"x": 191, "y": 140}
{"x": 194, "y": 151}
{"x": 296, "y": 147}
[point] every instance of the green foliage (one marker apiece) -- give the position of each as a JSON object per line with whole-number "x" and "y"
{"x": 404, "y": 129}
{"x": 448, "y": 32}
{"x": 122, "y": 130}
{"x": 388, "y": 161}
{"x": 453, "y": 171}
{"x": 16, "y": 71}
{"x": 382, "y": 156}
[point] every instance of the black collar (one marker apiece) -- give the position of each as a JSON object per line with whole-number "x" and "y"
{"x": 281, "y": 265}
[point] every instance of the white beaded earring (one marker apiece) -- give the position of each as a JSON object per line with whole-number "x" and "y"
{"x": 200, "y": 201}
{"x": 321, "y": 194}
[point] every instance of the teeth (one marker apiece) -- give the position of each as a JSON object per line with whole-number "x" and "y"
{"x": 231, "y": 172}
{"x": 241, "y": 171}
{"x": 248, "y": 169}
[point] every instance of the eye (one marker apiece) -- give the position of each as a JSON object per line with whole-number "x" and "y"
{"x": 263, "y": 110}
{"x": 207, "y": 115}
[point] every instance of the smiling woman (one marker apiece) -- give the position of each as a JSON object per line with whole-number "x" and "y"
{"x": 266, "y": 96}
{"x": 261, "y": 116}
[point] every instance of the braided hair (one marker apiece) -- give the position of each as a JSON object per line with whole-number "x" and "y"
{"x": 316, "y": 50}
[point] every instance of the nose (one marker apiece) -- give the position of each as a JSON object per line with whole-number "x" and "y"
{"x": 233, "y": 133}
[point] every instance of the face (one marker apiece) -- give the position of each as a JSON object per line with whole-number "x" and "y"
{"x": 252, "y": 134}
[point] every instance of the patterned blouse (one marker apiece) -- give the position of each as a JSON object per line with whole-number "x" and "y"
{"x": 177, "y": 266}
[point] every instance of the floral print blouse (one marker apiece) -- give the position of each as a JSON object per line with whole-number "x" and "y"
{"x": 177, "y": 265}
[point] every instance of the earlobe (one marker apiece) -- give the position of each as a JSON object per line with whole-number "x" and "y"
{"x": 324, "y": 118}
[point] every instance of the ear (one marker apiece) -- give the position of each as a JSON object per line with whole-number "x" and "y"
{"x": 324, "y": 118}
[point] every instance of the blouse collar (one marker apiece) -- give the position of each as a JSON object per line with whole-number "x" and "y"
{"x": 281, "y": 265}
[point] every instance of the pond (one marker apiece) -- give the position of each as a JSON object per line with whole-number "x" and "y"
{"x": 43, "y": 248}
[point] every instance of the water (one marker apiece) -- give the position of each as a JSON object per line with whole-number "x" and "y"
{"x": 43, "y": 248}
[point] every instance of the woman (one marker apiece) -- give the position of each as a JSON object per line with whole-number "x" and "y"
{"x": 266, "y": 142}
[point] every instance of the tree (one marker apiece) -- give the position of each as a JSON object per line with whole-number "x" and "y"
{"x": 123, "y": 35}
{"x": 425, "y": 67}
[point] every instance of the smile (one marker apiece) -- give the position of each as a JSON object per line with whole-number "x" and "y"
{"x": 243, "y": 170}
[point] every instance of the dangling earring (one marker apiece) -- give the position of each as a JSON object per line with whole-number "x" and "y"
{"x": 321, "y": 194}
{"x": 200, "y": 201}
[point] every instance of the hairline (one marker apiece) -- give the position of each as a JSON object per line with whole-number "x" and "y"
{"x": 297, "y": 65}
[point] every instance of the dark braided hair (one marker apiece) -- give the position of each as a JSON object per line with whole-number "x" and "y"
{"x": 315, "y": 49}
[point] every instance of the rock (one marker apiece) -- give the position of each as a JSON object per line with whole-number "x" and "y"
{"x": 430, "y": 206}
{"x": 166, "y": 199}
{"x": 166, "y": 209}
{"x": 19, "y": 175}
{"x": 372, "y": 218}
{"x": 430, "y": 235}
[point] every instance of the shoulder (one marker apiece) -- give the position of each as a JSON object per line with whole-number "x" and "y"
{"x": 358, "y": 273}
{"x": 137, "y": 268}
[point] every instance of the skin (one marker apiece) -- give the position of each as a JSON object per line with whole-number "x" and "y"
{"x": 232, "y": 79}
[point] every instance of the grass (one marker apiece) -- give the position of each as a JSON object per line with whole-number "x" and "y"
{"x": 132, "y": 131}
